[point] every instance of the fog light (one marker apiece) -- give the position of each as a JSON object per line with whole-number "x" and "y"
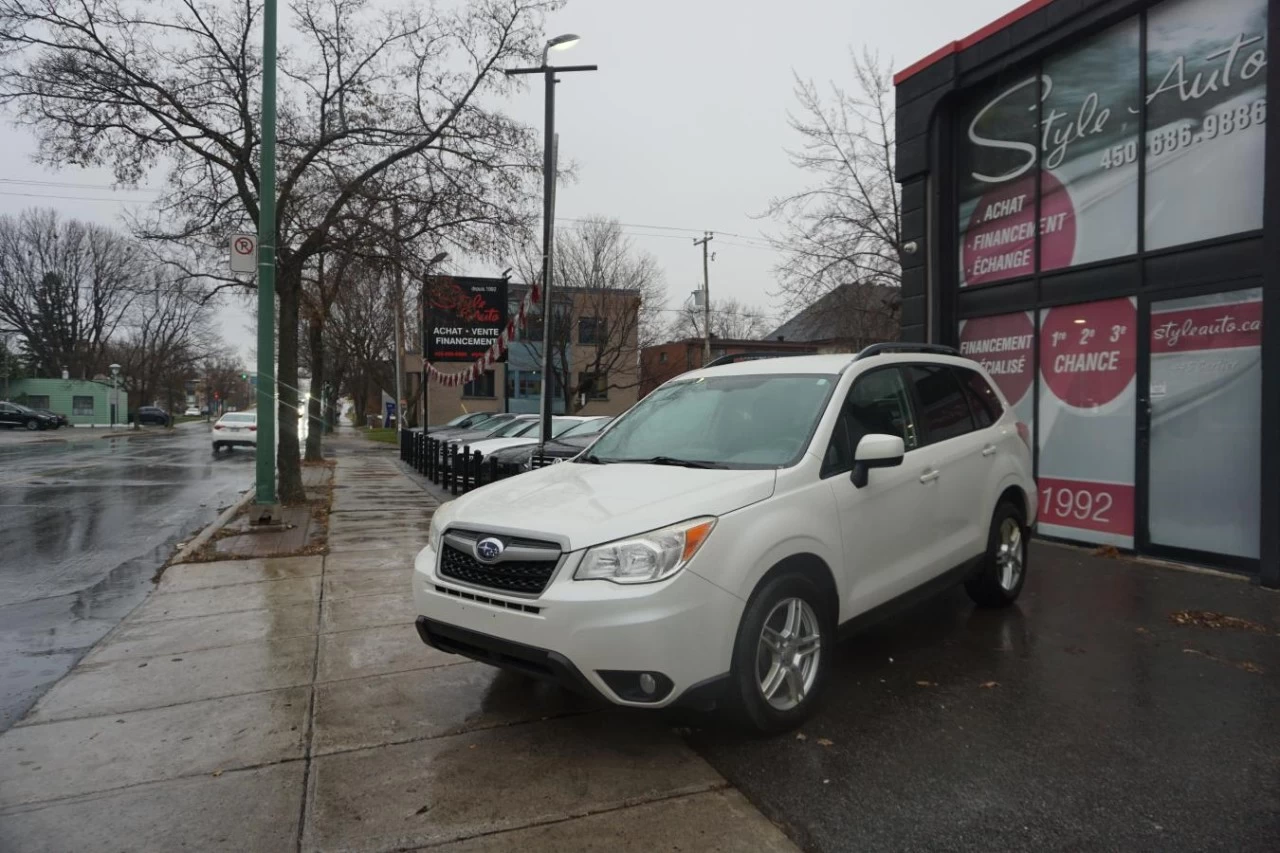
{"x": 637, "y": 685}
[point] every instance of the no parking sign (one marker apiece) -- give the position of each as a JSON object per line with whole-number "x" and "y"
{"x": 244, "y": 253}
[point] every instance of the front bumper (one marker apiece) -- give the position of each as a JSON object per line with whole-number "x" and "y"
{"x": 581, "y": 633}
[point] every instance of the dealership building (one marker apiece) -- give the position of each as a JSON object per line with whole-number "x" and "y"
{"x": 1091, "y": 208}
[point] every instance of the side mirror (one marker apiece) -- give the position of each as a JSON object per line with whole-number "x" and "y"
{"x": 876, "y": 451}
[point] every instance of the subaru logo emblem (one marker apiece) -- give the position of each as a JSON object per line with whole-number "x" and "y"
{"x": 489, "y": 549}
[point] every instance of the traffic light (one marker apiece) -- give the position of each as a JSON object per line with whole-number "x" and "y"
{"x": 244, "y": 376}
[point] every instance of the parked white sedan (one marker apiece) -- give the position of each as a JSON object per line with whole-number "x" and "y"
{"x": 527, "y": 433}
{"x": 235, "y": 429}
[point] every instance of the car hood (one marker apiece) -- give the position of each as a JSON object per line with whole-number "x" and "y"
{"x": 489, "y": 445}
{"x": 583, "y": 505}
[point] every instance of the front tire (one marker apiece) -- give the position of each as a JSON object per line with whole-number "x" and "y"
{"x": 782, "y": 654}
{"x": 999, "y": 579}
{"x": 33, "y": 425}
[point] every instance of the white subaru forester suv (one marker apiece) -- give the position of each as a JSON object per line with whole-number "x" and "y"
{"x": 709, "y": 547}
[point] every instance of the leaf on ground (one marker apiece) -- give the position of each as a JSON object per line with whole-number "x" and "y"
{"x": 1215, "y": 621}
{"x": 825, "y": 742}
{"x": 989, "y": 684}
{"x": 926, "y": 684}
{"x": 217, "y": 773}
{"x": 1110, "y": 551}
{"x": 801, "y": 736}
{"x": 1141, "y": 630}
{"x": 1250, "y": 666}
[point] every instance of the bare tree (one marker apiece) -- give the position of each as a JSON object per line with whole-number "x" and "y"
{"x": 730, "y": 319}
{"x": 165, "y": 340}
{"x": 360, "y": 334}
{"x": 65, "y": 287}
{"x": 845, "y": 227}
{"x": 225, "y": 380}
{"x": 607, "y": 302}
{"x": 365, "y": 91}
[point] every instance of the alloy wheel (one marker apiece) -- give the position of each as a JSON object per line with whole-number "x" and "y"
{"x": 788, "y": 653}
{"x": 1009, "y": 554}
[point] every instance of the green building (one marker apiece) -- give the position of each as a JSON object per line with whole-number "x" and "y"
{"x": 85, "y": 402}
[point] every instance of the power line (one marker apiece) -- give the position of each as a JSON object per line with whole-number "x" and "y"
{"x": 71, "y": 185}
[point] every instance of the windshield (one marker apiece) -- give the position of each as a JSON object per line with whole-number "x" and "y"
{"x": 493, "y": 424}
{"x": 762, "y": 421}
{"x": 533, "y": 429}
{"x": 586, "y": 428}
{"x": 470, "y": 417}
{"x": 513, "y": 428}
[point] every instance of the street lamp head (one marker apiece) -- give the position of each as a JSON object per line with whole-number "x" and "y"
{"x": 115, "y": 369}
{"x": 561, "y": 42}
{"x": 438, "y": 259}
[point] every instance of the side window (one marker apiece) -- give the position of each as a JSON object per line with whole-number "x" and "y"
{"x": 983, "y": 399}
{"x": 943, "y": 408}
{"x": 878, "y": 402}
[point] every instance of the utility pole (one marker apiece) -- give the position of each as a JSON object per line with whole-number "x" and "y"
{"x": 266, "y": 447}
{"x": 706, "y": 298}
{"x": 399, "y": 297}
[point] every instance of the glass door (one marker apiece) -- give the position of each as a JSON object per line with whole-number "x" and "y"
{"x": 1201, "y": 425}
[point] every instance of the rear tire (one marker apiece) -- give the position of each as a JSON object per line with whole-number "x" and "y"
{"x": 782, "y": 654}
{"x": 1000, "y": 577}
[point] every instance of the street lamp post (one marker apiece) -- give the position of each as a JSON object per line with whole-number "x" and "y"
{"x": 438, "y": 258}
{"x": 115, "y": 393}
{"x": 561, "y": 42}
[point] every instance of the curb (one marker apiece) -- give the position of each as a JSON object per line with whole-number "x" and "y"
{"x": 217, "y": 524}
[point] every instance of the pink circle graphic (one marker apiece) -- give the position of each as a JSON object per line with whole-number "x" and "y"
{"x": 1088, "y": 353}
{"x": 1000, "y": 242}
{"x": 1004, "y": 345}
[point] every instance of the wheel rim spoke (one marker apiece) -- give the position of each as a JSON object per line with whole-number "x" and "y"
{"x": 776, "y": 678}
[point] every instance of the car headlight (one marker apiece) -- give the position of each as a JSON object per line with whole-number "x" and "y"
{"x": 434, "y": 533}
{"x": 648, "y": 557}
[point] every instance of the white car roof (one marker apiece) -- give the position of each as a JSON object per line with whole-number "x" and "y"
{"x": 834, "y": 363}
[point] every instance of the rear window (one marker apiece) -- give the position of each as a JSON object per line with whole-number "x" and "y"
{"x": 983, "y": 399}
{"x": 943, "y": 407}
{"x": 240, "y": 419}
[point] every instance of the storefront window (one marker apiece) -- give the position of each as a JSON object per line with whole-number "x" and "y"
{"x": 1206, "y": 113}
{"x": 1206, "y": 407}
{"x": 998, "y": 184}
{"x": 1087, "y": 409}
{"x": 1004, "y": 345}
{"x": 1089, "y": 150}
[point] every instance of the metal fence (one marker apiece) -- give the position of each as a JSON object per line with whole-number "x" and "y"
{"x": 452, "y": 466}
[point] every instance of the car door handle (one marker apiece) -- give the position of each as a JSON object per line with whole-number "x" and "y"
{"x": 929, "y": 476}
{"x": 989, "y": 450}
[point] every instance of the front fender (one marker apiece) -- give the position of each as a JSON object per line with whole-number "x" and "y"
{"x": 748, "y": 542}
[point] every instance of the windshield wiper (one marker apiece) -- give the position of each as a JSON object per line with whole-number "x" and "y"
{"x": 592, "y": 459}
{"x": 671, "y": 460}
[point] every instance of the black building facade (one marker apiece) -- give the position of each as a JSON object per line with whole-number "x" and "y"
{"x": 1091, "y": 207}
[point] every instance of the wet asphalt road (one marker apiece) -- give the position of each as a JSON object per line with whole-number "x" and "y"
{"x": 83, "y": 527}
{"x": 1083, "y": 719}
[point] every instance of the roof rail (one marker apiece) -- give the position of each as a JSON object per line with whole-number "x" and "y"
{"x": 735, "y": 357}
{"x": 894, "y": 347}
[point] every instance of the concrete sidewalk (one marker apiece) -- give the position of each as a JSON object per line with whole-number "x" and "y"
{"x": 281, "y": 704}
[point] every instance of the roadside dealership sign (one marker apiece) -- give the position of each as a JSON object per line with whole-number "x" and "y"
{"x": 464, "y": 316}
{"x": 1054, "y": 153}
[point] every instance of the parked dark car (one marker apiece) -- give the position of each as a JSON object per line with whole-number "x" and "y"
{"x": 468, "y": 421}
{"x": 61, "y": 419}
{"x": 151, "y": 415}
{"x": 12, "y": 415}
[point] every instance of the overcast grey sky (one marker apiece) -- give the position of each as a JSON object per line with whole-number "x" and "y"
{"x": 684, "y": 125}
